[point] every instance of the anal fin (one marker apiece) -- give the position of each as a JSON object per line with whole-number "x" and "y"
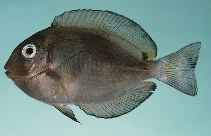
{"x": 119, "y": 106}
{"x": 66, "y": 111}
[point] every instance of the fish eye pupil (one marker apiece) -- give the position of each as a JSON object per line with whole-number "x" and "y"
{"x": 29, "y": 51}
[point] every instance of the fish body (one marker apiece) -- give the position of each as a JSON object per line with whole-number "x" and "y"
{"x": 99, "y": 61}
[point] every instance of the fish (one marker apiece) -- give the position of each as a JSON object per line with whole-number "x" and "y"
{"x": 99, "y": 61}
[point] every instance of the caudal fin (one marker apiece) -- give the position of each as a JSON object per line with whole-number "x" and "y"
{"x": 178, "y": 69}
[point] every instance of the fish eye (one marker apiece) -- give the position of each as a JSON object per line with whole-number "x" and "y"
{"x": 29, "y": 51}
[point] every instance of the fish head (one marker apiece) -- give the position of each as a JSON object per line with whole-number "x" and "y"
{"x": 28, "y": 59}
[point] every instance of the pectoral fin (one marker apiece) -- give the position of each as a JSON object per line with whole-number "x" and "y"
{"x": 66, "y": 111}
{"x": 119, "y": 106}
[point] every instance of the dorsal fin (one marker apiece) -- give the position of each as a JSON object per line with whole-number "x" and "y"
{"x": 110, "y": 23}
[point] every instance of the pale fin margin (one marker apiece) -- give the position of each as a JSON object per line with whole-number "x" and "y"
{"x": 119, "y": 106}
{"x": 111, "y": 23}
{"x": 178, "y": 69}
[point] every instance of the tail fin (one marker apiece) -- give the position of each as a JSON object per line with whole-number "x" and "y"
{"x": 178, "y": 69}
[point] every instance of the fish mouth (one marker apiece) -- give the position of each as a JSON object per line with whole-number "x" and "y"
{"x": 12, "y": 75}
{"x": 19, "y": 77}
{"x": 8, "y": 73}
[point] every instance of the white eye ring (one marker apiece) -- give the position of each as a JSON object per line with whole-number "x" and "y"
{"x": 29, "y": 51}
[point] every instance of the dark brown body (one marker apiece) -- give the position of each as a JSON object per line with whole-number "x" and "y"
{"x": 99, "y": 61}
{"x": 84, "y": 67}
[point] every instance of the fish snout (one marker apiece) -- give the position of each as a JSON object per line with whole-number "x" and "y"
{"x": 8, "y": 73}
{"x": 7, "y": 68}
{"x": 6, "y": 65}
{"x": 14, "y": 72}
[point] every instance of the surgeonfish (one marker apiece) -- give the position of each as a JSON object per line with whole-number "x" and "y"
{"x": 100, "y": 61}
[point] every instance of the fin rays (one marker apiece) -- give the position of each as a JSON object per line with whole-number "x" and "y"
{"x": 178, "y": 69}
{"x": 112, "y": 24}
{"x": 119, "y": 106}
